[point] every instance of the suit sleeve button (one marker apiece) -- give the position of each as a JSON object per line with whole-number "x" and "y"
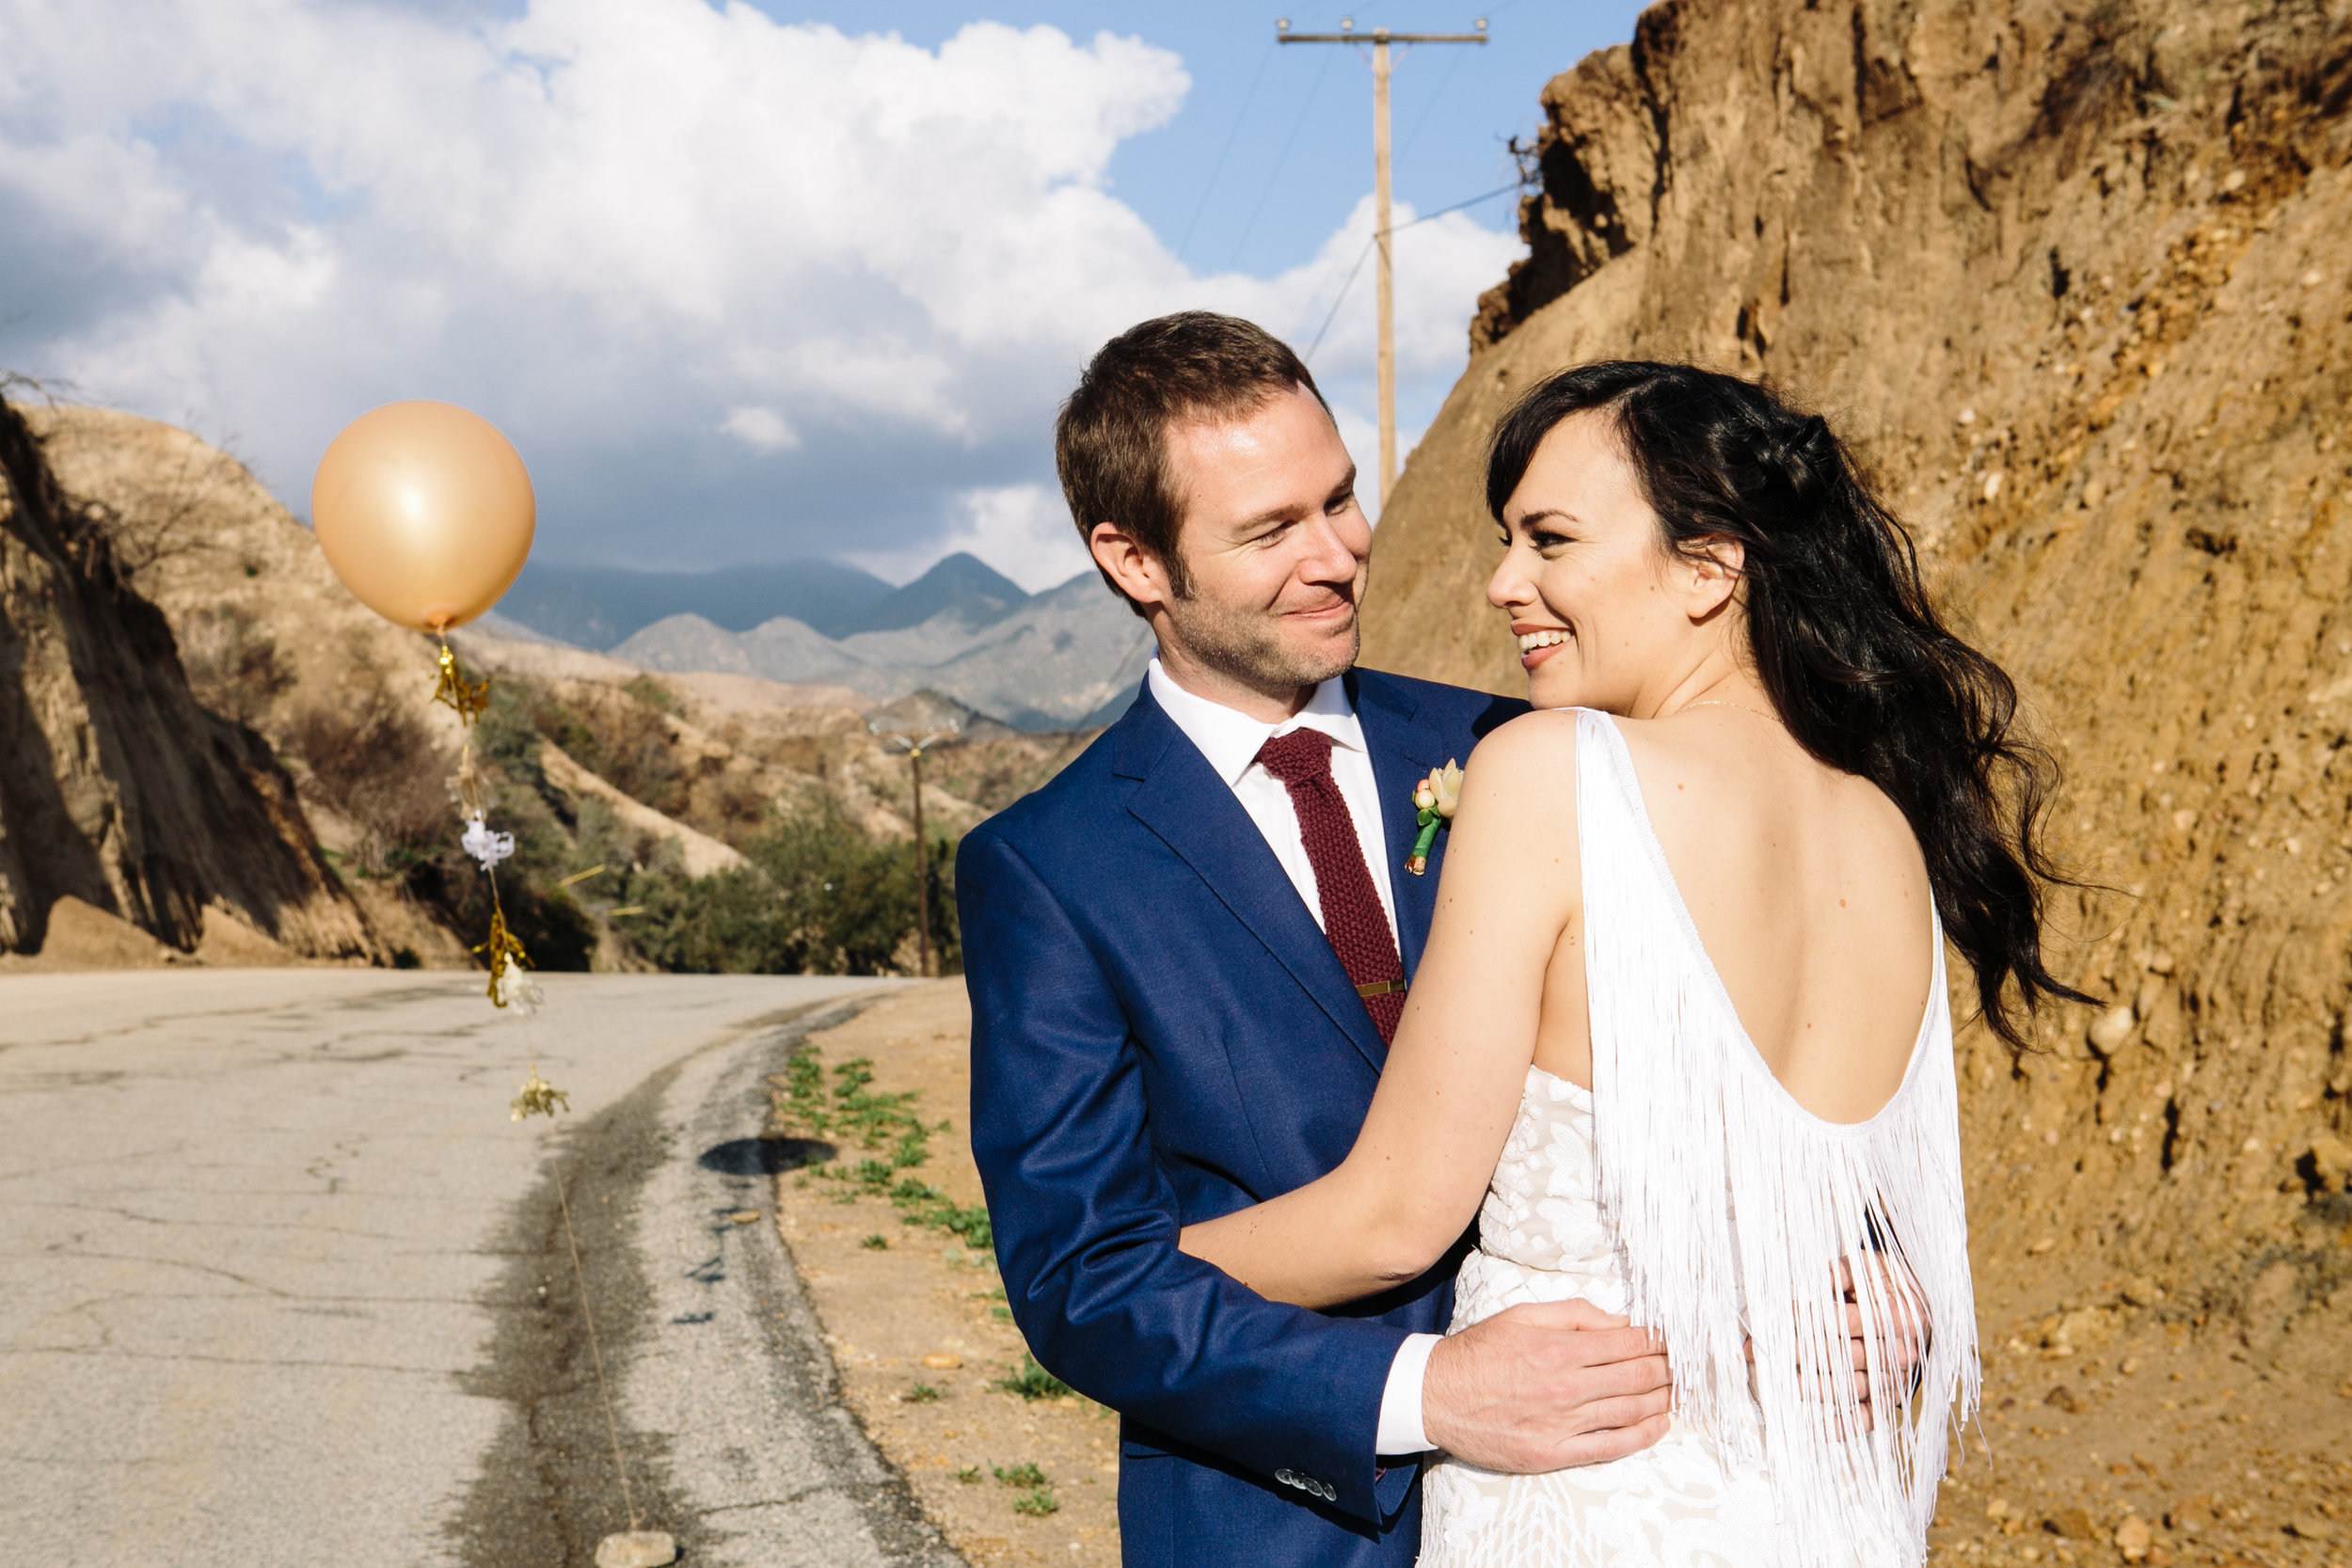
{"x": 1286, "y": 1477}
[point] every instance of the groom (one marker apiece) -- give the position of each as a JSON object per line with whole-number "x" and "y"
{"x": 1187, "y": 956}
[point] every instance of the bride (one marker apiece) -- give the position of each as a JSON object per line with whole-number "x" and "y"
{"x": 1679, "y": 1040}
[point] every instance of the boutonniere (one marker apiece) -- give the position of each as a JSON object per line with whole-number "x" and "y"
{"x": 1434, "y": 800}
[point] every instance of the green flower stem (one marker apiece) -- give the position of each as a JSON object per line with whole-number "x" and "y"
{"x": 1417, "y": 862}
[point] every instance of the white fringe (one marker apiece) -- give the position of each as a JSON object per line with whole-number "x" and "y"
{"x": 1694, "y": 1132}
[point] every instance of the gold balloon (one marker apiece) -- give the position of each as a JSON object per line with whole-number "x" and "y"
{"x": 425, "y": 512}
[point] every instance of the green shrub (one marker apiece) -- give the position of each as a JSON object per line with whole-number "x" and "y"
{"x": 820, "y": 897}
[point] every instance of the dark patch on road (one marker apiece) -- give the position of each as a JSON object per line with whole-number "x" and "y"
{"x": 764, "y": 1156}
{"x": 547, "y": 1493}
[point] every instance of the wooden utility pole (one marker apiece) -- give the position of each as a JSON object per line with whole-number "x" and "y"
{"x": 1381, "y": 66}
{"x": 922, "y": 870}
{"x": 915, "y": 742}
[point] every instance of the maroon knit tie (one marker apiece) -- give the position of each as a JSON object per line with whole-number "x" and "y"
{"x": 1352, "y": 918}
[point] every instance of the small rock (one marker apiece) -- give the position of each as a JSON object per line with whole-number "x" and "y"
{"x": 2310, "y": 1529}
{"x": 2045, "y": 1244}
{"x": 2132, "y": 1538}
{"x": 2312, "y": 278}
{"x": 941, "y": 1361}
{"x": 2143, "y": 1291}
{"x": 2112, "y": 1029}
{"x": 637, "y": 1549}
{"x": 745, "y": 1216}
{"x": 2235, "y": 180}
{"x": 2331, "y": 1160}
{"x": 2073, "y": 1524}
{"x": 2066, "y": 1400}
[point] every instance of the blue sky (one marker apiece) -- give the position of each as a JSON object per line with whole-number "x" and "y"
{"x": 1300, "y": 143}
{"x": 743, "y": 284}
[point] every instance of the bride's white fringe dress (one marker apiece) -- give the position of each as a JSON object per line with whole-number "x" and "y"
{"x": 1690, "y": 1190}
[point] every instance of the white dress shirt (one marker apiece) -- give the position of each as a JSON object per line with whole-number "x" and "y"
{"x": 1230, "y": 741}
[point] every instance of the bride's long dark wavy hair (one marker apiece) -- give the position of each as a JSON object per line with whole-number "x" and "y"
{"x": 1844, "y": 638}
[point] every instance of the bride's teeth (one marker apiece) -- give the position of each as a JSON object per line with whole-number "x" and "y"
{"x": 1530, "y": 641}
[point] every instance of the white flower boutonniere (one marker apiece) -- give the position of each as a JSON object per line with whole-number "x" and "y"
{"x": 1434, "y": 800}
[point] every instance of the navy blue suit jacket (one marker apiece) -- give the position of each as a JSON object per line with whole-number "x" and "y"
{"x": 1161, "y": 1034}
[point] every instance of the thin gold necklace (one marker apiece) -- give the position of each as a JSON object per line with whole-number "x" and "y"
{"x": 1742, "y": 706}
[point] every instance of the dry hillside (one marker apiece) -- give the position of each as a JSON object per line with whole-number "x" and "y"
{"x": 2076, "y": 276}
{"x": 120, "y": 795}
{"x": 598, "y": 763}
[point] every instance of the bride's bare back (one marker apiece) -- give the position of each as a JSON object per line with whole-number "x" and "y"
{"x": 1809, "y": 894}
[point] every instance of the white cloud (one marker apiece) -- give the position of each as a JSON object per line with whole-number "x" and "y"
{"x": 805, "y": 289}
{"x": 760, "y": 429}
{"x": 1024, "y": 530}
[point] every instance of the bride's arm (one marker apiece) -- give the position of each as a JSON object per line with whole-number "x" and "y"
{"x": 1507, "y": 897}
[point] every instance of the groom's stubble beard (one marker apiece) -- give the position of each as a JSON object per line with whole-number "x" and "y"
{"x": 1248, "y": 645}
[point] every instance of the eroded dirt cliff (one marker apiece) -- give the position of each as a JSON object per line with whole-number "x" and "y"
{"x": 2075, "y": 277}
{"x": 118, "y": 789}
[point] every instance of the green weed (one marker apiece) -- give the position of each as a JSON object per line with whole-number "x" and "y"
{"x": 1033, "y": 1382}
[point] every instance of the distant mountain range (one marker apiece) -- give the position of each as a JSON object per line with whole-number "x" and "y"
{"x": 600, "y": 607}
{"x": 1061, "y": 660}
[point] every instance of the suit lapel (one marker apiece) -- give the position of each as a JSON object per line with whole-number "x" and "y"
{"x": 1403, "y": 751}
{"x": 1181, "y": 799}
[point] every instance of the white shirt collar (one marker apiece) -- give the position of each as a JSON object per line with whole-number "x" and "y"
{"x": 1231, "y": 739}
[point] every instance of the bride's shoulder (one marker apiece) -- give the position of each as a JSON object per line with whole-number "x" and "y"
{"x": 1534, "y": 753}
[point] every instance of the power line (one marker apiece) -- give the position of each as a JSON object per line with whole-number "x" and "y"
{"x": 1431, "y": 107}
{"x": 1272, "y": 178}
{"x": 1369, "y": 239}
{"x": 1218, "y": 167}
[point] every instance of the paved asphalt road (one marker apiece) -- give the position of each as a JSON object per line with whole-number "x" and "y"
{"x": 280, "y": 1284}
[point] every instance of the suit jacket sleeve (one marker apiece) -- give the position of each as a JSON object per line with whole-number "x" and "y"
{"x": 1086, "y": 1220}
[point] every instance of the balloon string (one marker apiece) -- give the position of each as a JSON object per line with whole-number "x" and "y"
{"x": 580, "y": 1278}
{"x": 470, "y": 699}
{"x": 595, "y": 1354}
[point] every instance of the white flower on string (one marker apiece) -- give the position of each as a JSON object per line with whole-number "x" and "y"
{"x": 484, "y": 844}
{"x": 517, "y": 988}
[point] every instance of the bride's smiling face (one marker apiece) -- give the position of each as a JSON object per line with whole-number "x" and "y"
{"x": 1605, "y": 614}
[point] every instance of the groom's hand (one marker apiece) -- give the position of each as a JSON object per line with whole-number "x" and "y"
{"x": 1544, "y": 1387}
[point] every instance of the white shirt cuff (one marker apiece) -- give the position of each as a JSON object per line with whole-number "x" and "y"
{"x": 1401, "y": 1433}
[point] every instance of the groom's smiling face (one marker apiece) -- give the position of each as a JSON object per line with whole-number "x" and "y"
{"x": 1274, "y": 548}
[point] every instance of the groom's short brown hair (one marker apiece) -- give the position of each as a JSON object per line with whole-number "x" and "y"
{"x": 1110, "y": 444}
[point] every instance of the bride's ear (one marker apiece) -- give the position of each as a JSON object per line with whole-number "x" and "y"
{"x": 1712, "y": 569}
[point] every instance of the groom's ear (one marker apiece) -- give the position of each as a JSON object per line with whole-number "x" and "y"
{"x": 1132, "y": 566}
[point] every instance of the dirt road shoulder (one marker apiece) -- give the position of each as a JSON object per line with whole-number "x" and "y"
{"x": 891, "y": 1240}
